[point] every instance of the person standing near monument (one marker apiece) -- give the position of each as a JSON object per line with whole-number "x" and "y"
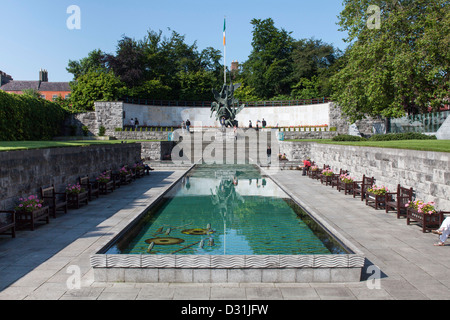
{"x": 264, "y": 123}
{"x": 222, "y": 123}
{"x": 188, "y": 125}
{"x": 269, "y": 155}
{"x": 132, "y": 123}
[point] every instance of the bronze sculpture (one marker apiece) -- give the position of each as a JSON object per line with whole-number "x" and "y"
{"x": 225, "y": 105}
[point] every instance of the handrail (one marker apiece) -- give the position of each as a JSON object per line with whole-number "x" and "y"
{"x": 207, "y": 104}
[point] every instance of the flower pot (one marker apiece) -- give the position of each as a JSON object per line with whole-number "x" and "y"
{"x": 346, "y": 186}
{"x": 75, "y": 199}
{"x": 106, "y": 187}
{"x": 125, "y": 178}
{"x": 326, "y": 180}
{"x": 426, "y": 220}
{"x": 24, "y": 218}
{"x": 375, "y": 200}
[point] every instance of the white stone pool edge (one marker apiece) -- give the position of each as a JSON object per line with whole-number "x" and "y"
{"x": 228, "y": 268}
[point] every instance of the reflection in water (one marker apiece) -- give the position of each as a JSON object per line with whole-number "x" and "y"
{"x": 233, "y": 210}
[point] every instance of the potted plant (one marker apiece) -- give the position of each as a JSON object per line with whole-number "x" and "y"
{"x": 327, "y": 175}
{"x": 346, "y": 183}
{"x": 105, "y": 182}
{"x": 125, "y": 175}
{"x": 139, "y": 169}
{"x": 376, "y": 196}
{"x": 425, "y": 213}
{"x": 30, "y": 210}
{"x": 76, "y": 194}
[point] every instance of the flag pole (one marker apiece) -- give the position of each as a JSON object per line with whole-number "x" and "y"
{"x": 224, "y": 51}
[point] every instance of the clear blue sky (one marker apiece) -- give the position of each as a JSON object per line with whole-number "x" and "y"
{"x": 34, "y": 33}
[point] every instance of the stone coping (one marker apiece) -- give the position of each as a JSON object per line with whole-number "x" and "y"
{"x": 227, "y": 261}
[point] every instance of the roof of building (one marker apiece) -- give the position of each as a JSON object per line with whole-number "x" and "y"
{"x": 36, "y": 85}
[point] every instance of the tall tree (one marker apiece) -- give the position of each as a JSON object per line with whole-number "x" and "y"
{"x": 400, "y": 66}
{"x": 95, "y": 86}
{"x": 313, "y": 63}
{"x": 94, "y": 61}
{"x": 128, "y": 61}
{"x": 269, "y": 67}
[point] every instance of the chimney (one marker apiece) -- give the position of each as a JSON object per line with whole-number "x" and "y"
{"x": 43, "y": 75}
{"x": 4, "y": 78}
{"x": 234, "y": 65}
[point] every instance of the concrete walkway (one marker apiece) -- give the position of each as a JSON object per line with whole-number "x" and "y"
{"x": 41, "y": 264}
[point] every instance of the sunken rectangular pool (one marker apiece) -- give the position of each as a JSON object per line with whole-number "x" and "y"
{"x": 228, "y": 223}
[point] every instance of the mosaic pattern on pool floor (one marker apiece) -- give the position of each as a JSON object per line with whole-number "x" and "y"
{"x": 231, "y": 211}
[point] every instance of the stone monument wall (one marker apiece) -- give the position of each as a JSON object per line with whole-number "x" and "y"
{"x": 112, "y": 115}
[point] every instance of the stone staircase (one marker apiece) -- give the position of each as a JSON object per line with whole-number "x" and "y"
{"x": 211, "y": 146}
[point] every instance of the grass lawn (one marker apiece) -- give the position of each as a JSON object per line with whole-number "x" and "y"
{"x": 421, "y": 145}
{"x": 23, "y": 145}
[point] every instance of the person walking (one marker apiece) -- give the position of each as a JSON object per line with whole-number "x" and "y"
{"x": 269, "y": 155}
{"x": 264, "y": 123}
{"x": 188, "y": 125}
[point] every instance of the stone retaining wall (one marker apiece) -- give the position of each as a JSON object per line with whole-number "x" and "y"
{"x": 428, "y": 173}
{"x": 23, "y": 172}
{"x": 156, "y": 150}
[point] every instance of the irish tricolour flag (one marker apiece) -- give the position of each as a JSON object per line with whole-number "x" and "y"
{"x": 224, "y": 31}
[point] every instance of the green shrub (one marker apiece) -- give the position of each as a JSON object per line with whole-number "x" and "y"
{"x": 347, "y": 137}
{"x": 402, "y": 136}
{"x": 85, "y": 130}
{"x": 23, "y": 117}
{"x": 73, "y": 130}
{"x": 118, "y": 129}
{"x": 101, "y": 131}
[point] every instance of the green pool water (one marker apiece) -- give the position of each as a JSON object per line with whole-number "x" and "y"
{"x": 226, "y": 210}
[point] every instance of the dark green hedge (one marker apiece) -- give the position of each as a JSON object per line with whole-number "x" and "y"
{"x": 402, "y": 136}
{"x": 23, "y": 117}
{"x": 386, "y": 137}
{"x": 347, "y": 137}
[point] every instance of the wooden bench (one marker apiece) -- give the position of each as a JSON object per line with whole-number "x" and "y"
{"x": 92, "y": 187}
{"x": 396, "y": 201}
{"x": 8, "y": 223}
{"x": 56, "y": 201}
{"x": 360, "y": 187}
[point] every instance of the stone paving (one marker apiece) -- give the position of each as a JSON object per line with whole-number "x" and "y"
{"x": 38, "y": 264}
